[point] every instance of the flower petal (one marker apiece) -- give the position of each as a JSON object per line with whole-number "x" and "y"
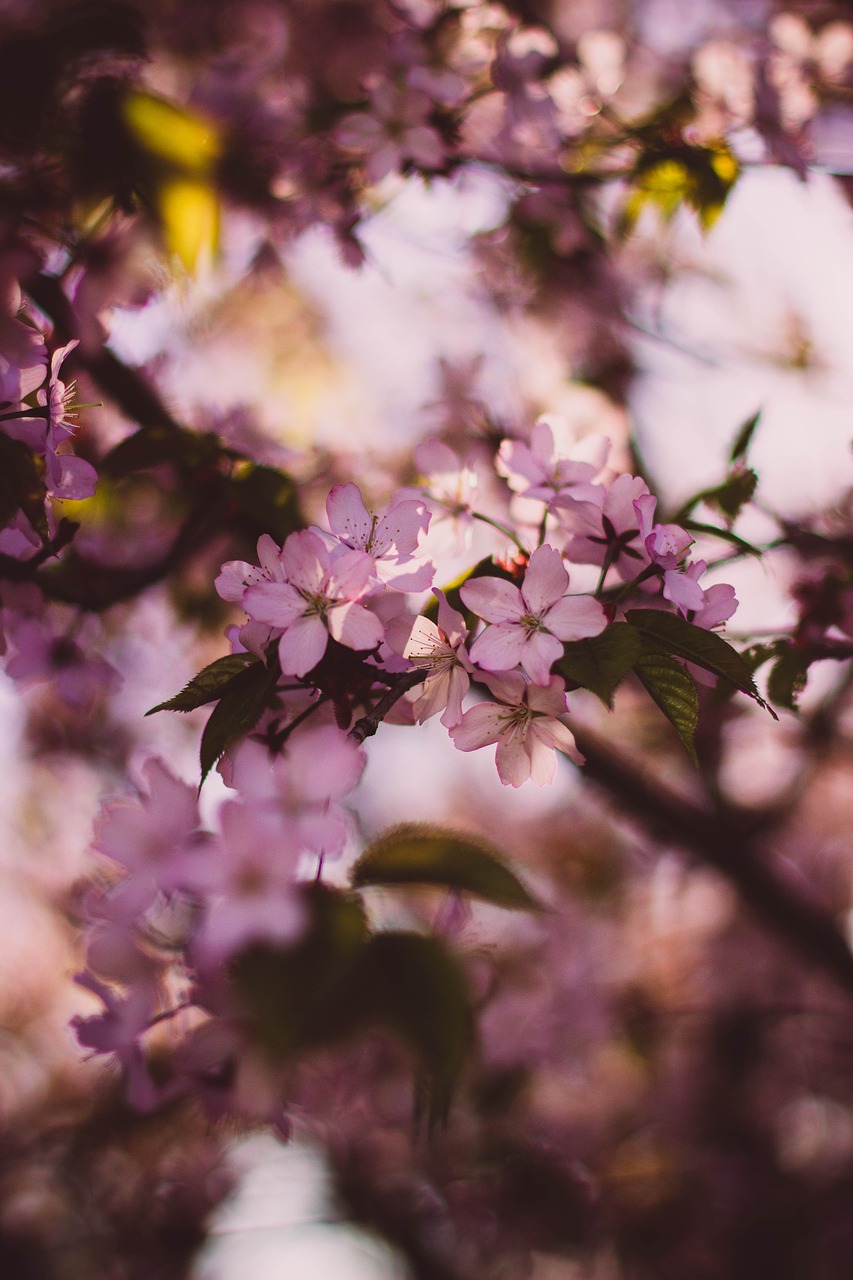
{"x": 356, "y": 627}
{"x": 575, "y": 618}
{"x": 494, "y": 599}
{"x": 546, "y": 579}
{"x": 499, "y": 648}
{"x": 302, "y": 645}
{"x": 348, "y": 516}
{"x": 479, "y": 727}
{"x": 538, "y": 654}
{"x": 276, "y": 603}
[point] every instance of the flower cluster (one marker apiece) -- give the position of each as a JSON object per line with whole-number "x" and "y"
{"x": 330, "y": 648}
{"x": 37, "y": 411}
{"x": 349, "y": 584}
{"x": 182, "y": 902}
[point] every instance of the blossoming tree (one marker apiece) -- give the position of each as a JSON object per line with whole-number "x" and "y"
{"x": 431, "y": 1003}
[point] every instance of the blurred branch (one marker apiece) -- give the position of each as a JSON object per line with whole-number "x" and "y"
{"x": 127, "y": 388}
{"x": 800, "y": 922}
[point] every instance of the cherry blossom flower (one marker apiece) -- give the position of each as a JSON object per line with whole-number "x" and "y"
{"x": 540, "y": 471}
{"x": 303, "y": 797}
{"x": 395, "y": 131}
{"x": 254, "y": 895}
{"x": 606, "y": 527}
{"x": 58, "y": 398}
{"x": 390, "y": 540}
{"x": 236, "y": 576}
{"x": 156, "y": 837}
{"x": 40, "y": 655}
{"x": 451, "y": 489}
{"x": 525, "y": 726}
{"x": 666, "y": 545}
{"x": 318, "y": 598}
{"x": 530, "y": 624}
{"x": 118, "y": 1030}
{"x": 718, "y": 602}
{"x": 439, "y": 649}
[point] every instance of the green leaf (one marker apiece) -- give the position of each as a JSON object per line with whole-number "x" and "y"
{"x": 237, "y": 712}
{"x": 601, "y": 662}
{"x": 698, "y": 526}
{"x": 743, "y": 439}
{"x": 673, "y": 689}
{"x": 413, "y": 985}
{"x": 298, "y": 997}
{"x": 153, "y": 446}
{"x": 210, "y": 683}
{"x": 338, "y": 981}
{"x": 269, "y": 497}
{"x": 788, "y": 677}
{"x": 729, "y": 497}
{"x": 22, "y": 485}
{"x": 694, "y": 644}
{"x": 416, "y": 854}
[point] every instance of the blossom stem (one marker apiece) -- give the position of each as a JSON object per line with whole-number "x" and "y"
{"x": 543, "y": 528}
{"x": 501, "y": 528}
{"x": 367, "y": 725}
{"x": 281, "y": 737}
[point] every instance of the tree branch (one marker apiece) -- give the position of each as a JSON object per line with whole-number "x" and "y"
{"x": 759, "y": 879}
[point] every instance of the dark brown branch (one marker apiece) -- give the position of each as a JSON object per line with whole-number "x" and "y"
{"x": 127, "y": 388}
{"x": 759, "y": 879}
{"x": 367, "y": 725}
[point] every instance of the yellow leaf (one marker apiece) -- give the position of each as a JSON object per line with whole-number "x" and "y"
{"x": 189, "y": 213}
{"x": 171, "y": 133}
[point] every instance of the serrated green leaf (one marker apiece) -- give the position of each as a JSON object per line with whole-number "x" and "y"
{"x": 694, "y": 644}
{"x": 743, "y": 439}
{"x": 602, "y": 661}
{"x": 672, "y": 688}
{"x": 417, "y": 854}
{"x": 756, "y": 655}
{"x": 734, "y": 493}
{"x": 237, "y": 712}
{"x": 210, "y": 683}
{"x": 413, "y": 985}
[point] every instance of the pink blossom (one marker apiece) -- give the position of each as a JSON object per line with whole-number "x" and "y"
{"x": 156, "y": 836}
{"x": 540, "y": 471}
{"x": 530, "y": 625}
{"x": 318, "y": 767}
{"x": 58, "y": 397}
{"x": 118, "y": 1030}
{"x": 718, "y": 602}
{"x": 40, "y": 655}
{"x": 440, "y": 651}
{"x": 452, "y": 489}
{"x": 317, "y": 598}
{"x": 606, "y": 526}
{"x": 254, "y": 894}
{"x": 525, "y": 726}
{"x": 236, "y": 576}
{"x": 391, "y": 540}
{"x": 394, "y": 132}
